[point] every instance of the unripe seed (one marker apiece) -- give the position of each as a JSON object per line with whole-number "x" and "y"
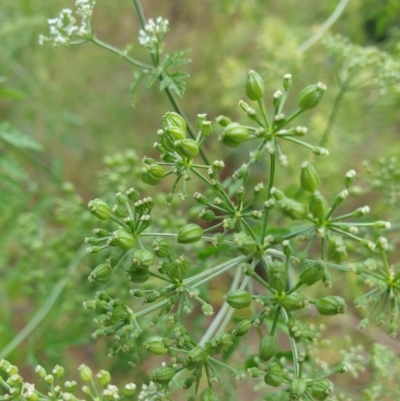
{"x": 318, "y": 206}
{"x": 187, "y": 148}
{"x": 100, "y": 209}
{"x": 101, "y": 274}
{"x": 152, "y": 174}
{"x": 172, "y": 119}
{"x": 143, "y": 258}
{"x": 234, "y": 135}
{"x": 123, "y": 239}
{"x": 310, "y": 96}
{"x": 331, "y": 305}
{"x": 254, "y": 86}
{"x": 189, "y": 233}
{"x": 209, "y": 394}
{"x": 321, "y": 389}
{"x": 309, "y": 178}
{"x": 163, "y": 375}
{"x": 268, "y": 348}
{"x": 273, "y": 374}
{"x": 161, "y": 247}
{"x": 238, "y": 299}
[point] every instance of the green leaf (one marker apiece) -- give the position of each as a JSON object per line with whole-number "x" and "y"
{"x": 9, "y": 93}
{"x": 15, "y": 138}
{"x": 174, "y": 82}
{"x": 137, "y": 76}
{"x": 176, "y": 59}
{"x": 152, "y": 77}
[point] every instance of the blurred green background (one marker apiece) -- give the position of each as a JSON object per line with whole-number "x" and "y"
{"x": 74, "y": 103}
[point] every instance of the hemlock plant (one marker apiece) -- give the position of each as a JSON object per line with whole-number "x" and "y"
{"x": 268, "y": 243}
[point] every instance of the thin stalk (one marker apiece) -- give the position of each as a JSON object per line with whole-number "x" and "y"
{"x": 335, "y": 108}
{"x": 45, "y": 309}
{"x": 324, "y": 27}
{"x": 171, "y": 97}
{"x": 221, "y": 313}
{"x": 293, "y": 345}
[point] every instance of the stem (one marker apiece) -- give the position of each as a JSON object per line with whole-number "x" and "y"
{"x": 221, "y": 313}
{"x": 270, "y": 185}
{"x": 171, "y": 98}
{"x": 324, "y": 27}
{"x": 335, "y": 108}
{"x": 120, "y": 53}
{"x": 296, "y": 364}
{"x": 44, "y": 310}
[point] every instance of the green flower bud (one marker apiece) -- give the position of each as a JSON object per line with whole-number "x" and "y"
{"x": 187, "y": 148}
{"x": 129, "y": 388}
{"x": 167, "y": 143}
{"x": 254, "y": 372}
{"x": 100, "y": 232}
{"x": 206, "y": 128}
{"x": 298, "y": 387}
{"x": 156, "y": 345}
{"x": 226, "y": 341}
{"x": 143, "y": 258}
{"x": 310, "y": 96}
{"x": 177, "y": 269}
{"x": 254, "y": 86}
{"x": 287, "y": 81}
{"x": 103, "y": 378}
{"x": 58, "y": 371}
{"x": 152, "y": 174}
{"x": 223, "y": 121}
{"x": 273, "y": 374}
{"x": 161, "y": 247}
{"x": 132, "y": 194}
{"x": 123, "y": 239}
{"x": 138, "y": 274}
{"x": 85, "y": 373}
{"x": 119, "y": 211}
{"x": 201, "y": 118}
{"x": 277, "y": 193}
{"x": 312, "y": 273}
{"x": 121, "y": 198}
{"x": 163, "y": 375}
{"x": 189, "y": 233}
{"x": 101, "y": 274}
{"x": 200, "y": 198}
{"x": 100, "y": 209}
{"x": 176, "y": 133}
{"x": 234, "y": 135}
{"x": 309, "y": 178}
{"x": 238, "y": 299}
{"x": 188, "y": 383}
{"x": 209, "y": 394}
{"x": 294, "y": 301}
{"x": 39, "y": 369}
{"x": 196, "y": 356}
{"x": 318, "y": 206}
{"x": 242, "y": 328}
{"x": 172, "y": 119}
{"x": 268, "y": 348}
{"x": 207, "y": 215}
{"x": 337, "y": 250}
{"x": 321, "y": 389}
{"x": 245, "y": 243}
{"x": 330, "y": 305}
{"x": 277, "y": 276}
{"x": 293, "y": 209}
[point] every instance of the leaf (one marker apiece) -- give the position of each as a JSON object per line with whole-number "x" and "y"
{"x": 152, "y": 77}
{"x": 16, "y": 138}
{"x": 176, "y": 59}
{"x": 137, "y": 76}
{"x": 174, "y": 82}
{"x": 9, "y": 93}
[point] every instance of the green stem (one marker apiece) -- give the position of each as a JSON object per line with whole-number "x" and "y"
{"x": 270, "y": 185}
{"x": 120, "y": 53}
{"x": 171, "y": 98}
{"x": 44, "y": 310}
{"x": 293, "y": 345}
{"x": 335, "y": 108}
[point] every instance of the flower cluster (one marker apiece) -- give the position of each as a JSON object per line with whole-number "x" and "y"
{"x": 16, "y": 388}
{"x": 65, "y": 29}
{"x": 153, "y": 33}
{"x": 368, "y": 63}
